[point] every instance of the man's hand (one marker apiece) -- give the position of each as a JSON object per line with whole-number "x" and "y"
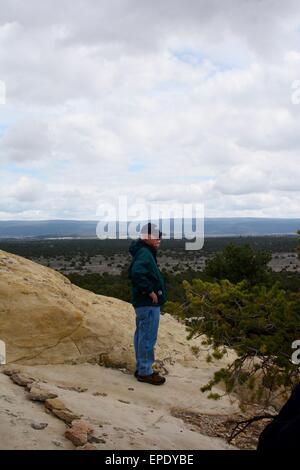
{"x": 153, "y": 297}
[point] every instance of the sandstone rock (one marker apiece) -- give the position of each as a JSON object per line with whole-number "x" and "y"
{"x": 76, "y": 437}
{"x": 45, "y": 319}
{"x": 21, "y": 379}
{"x": 82, "y": 425}
{"x": 59, "y": 409}
{"x": 65, "y": 415}
{"x": 54, "y": 403}
{"x": 40, "y": 394}
{"x": 78, "y": 433}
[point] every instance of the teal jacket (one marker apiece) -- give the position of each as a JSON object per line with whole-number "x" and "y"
{"x": 145, "y": 275}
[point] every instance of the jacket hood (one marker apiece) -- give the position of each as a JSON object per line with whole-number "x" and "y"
{"x": 136, "y": 245}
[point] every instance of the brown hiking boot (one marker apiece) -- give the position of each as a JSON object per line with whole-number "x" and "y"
{"x": 153, "y": 379}
{"x": 136, "y": 373}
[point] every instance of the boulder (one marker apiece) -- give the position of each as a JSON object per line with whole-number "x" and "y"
{"x": 45, "y": 319}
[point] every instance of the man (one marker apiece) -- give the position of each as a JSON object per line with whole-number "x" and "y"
{"x": 148, "y": 294}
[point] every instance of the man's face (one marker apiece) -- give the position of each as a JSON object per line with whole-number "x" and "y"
{"x": 154, "y": 242}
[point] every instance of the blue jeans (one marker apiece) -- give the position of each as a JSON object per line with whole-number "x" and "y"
{"x": 145, "y": 336}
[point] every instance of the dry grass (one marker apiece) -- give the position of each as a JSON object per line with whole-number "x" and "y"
{"x": 222, "y": 426}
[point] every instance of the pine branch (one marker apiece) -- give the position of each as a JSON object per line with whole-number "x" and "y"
{"x": 245, "y": 423}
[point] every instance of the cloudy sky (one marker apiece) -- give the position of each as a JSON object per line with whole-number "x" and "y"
{"x": 161, "y": 100}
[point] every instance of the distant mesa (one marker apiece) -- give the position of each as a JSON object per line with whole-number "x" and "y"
{"x": 87, "y": 229}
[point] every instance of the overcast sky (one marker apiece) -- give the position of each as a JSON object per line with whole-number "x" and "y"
{"x": 166, "y": 100}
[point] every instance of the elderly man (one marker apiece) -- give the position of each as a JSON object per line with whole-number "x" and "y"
{"x": 148, "y": 294}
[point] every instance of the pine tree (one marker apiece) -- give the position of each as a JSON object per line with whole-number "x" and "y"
{"x": 258, "y": 323}
{"x": 237, "y": 263}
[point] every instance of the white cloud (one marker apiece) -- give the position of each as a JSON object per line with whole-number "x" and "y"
{"x": 26, "y": 141}
{"x": 151, "y": 99}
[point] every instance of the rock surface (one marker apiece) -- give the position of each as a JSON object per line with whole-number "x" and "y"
{"x": 58, "y": 338}
{"x": 147, "y": 422}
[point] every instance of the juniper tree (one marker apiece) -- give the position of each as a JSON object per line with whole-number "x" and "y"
{"x": 237, "y": 263}
{"x": 258, "y": 323}
{"x": 257, "y": 319}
